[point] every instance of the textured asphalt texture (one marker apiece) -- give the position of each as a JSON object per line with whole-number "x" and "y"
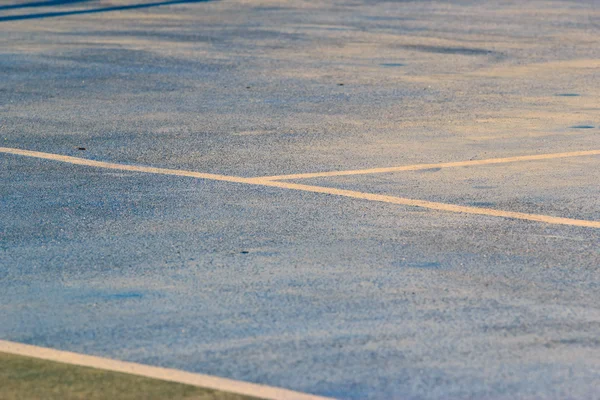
{"x": 329, "y": 295}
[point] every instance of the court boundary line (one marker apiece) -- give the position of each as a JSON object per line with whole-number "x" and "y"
{"x": 164, "y": 374}
{"x": 432, "y": 205}
{"x": 420, "y": 167}
{"x": 313, "y": 189}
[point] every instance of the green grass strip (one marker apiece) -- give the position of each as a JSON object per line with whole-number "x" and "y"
{"x": 25, "y": 378}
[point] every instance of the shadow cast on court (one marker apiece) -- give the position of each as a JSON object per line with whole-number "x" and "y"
{"x": 80, "y": 12}
{"x": 49, "y": 3}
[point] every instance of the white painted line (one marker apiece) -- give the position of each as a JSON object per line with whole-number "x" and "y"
{"x": 419, "y": 167}
{"x": 548, "y": 219}
{"x": 123, "y": 167}
{"x": 316, "y": 189}
{"x": 165, "y": 374}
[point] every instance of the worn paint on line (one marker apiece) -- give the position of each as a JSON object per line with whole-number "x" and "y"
{"x": 419, "y": 167}
{"x": 321, "y": 189}
{"x": 164, "y": 374}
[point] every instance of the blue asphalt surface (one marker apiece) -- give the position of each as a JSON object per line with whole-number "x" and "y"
{"x": 329, "y": 295}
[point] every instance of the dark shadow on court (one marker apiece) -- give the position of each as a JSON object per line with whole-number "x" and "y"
{"x": 50, "y": 3}
{"x": 94, "y": 10}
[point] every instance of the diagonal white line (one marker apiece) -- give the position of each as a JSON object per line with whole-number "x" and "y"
{"x": 419, "y": 167}
{"x": 314, "y": 189}
{"x": 165, "y": 374}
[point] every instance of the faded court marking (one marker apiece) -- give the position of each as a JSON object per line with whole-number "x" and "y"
{"x": 319, "y": 189}
{"x": 164, "y": 374}
{"x": 418, "y": 167}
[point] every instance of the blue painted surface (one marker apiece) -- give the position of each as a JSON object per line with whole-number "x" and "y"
{"x": 311, "y": 292}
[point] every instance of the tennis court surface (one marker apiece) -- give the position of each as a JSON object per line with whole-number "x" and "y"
{"x": 350, "y": 199}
